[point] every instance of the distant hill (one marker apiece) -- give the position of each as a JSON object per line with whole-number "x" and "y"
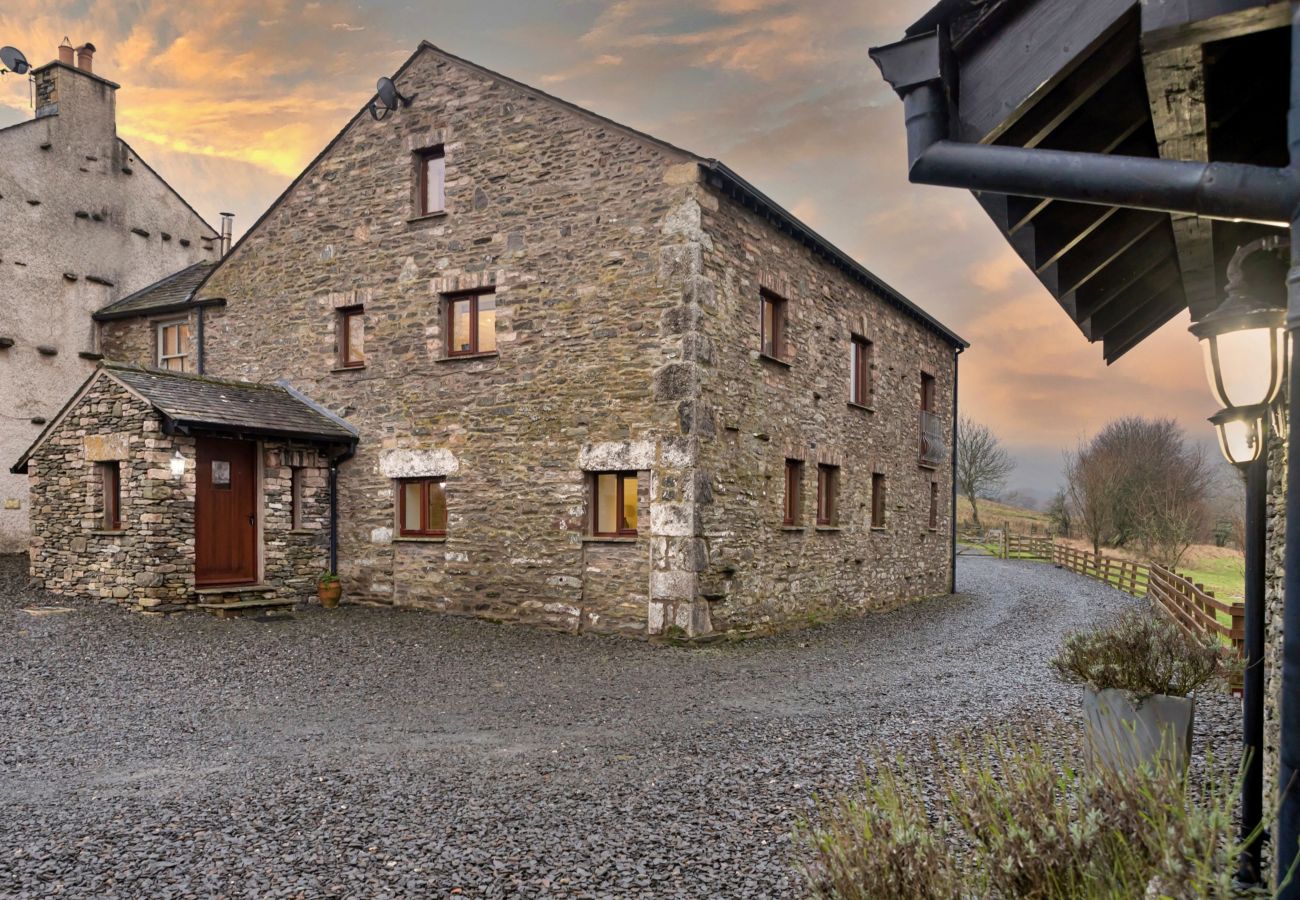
{"x": 997, "y": 515}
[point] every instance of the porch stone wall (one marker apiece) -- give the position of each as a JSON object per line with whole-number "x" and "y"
{"x": 148, "y": 565}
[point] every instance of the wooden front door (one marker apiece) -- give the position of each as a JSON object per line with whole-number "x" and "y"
{"x": 225, "y": 513}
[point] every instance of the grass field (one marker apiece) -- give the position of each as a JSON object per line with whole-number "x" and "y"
{"x": 999, "y": 515}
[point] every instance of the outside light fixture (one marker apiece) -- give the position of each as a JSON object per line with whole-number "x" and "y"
{"x": 1241, "y": 433}
{"x": 1244, "y": 340}
{"x": 178, "y": 465}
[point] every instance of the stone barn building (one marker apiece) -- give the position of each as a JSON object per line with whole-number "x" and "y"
{"x": 84, "y": 221}
{"x": 596, "y": 382}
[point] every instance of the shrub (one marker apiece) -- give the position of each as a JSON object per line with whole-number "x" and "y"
{"x": 1008, "y": 823}
{"x": 1141, "y": 652}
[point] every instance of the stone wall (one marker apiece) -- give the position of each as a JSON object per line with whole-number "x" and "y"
{"x": 757, "y": 412}
{"x": 1273, "y": 580}
{"x": 135, "y": 340}
{"x": 84, "y": 221}
{"x": 624, "y": 336}
{"x": 149, "y": 563}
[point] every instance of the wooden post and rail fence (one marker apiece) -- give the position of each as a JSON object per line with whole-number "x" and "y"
{"x": 1190, "y": 604}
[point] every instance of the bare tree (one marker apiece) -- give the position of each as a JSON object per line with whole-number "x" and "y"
{"x": 1139, "y": 480}
{"x": 1060, "y": 512}
{"x": 983, "y": 464}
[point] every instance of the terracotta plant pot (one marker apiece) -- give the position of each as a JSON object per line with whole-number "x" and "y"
{"x": 1125, "y": 732}
{"x": 329, "y": 593}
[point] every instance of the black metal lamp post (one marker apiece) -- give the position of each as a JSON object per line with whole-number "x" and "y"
{"x": 1244, "y": 343}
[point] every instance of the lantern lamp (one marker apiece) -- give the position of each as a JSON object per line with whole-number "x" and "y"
{"x": 1241, "y": 433}
{"x": 1244, "y": 340}
{"x": 177, "y": 465}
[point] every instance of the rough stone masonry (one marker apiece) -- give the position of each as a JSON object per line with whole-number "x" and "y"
{"x": 627, "y": 289}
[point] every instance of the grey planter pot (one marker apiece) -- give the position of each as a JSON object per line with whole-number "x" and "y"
{"x": 1126, "y": 732}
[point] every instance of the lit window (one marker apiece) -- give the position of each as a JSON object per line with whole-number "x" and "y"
{"x": 352, "y": 337}
{"x": 431, "y": 177}
{"x": 422, "y": 507}
{"x": 613, "y": 504}
{"x": 174, "y": 346}
{"x": 471, "y": 324}
{"x": 828, "y": 487}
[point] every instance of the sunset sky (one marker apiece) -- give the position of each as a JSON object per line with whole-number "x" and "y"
{"x": 230, "y": 100}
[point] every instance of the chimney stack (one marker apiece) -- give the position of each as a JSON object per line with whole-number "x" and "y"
{"x": 85, "y": 53}
{"x": 227, "y": 227}
{"x": 65, "y": 52}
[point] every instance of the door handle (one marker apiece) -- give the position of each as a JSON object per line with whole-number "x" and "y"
{"x": 252, "y": 519}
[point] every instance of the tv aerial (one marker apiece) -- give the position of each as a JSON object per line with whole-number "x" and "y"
{"x": 12, "y": 60}
{"x": 389, "y": 98}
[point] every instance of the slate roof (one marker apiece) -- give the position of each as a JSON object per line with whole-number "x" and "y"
{"x": 237, "y": 406}
{"x": 199, "y": 403}
{"x": 171, "y": 293}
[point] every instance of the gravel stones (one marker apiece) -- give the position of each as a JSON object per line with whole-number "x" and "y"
{"x": 390, "y": 753}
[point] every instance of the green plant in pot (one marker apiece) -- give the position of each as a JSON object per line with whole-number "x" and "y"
{"x": 1140, "y": 674}
{"x": 329, "y": 589}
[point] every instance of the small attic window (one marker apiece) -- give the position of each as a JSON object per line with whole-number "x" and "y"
{"x": 430, "y": 181}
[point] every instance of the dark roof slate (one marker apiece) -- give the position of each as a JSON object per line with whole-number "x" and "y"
{"x": 230, "y": 406}
{"x": 175, "y": 290}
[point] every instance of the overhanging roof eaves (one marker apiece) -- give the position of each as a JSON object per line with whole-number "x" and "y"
{"x": 724, "y": 176}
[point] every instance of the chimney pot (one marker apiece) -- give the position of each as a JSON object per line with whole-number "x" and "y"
{"x": 65, "y": 52}
{"x": 85, "y": 53}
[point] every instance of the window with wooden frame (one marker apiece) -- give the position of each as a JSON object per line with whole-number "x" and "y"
{"x": 860, "y": 370}
{"x": 110, "y": 488}
{"x": 772, "y": 322}
{"x": 430, "y": 181}
{"x": 828, "y": 487}
{"x": 352, "y": 337}
{"x": 793, "y": 491}
{"x": 877, "y": 500}
{"x": 927, "y": 392}
{"x": 934, "y": 504}
{"x": 422, "y": 507}
{"x": 295, "y": 498}
{"x": 471, "y": 324}
{"x": 613, "y": 504}
{"x": 173, "y": 341}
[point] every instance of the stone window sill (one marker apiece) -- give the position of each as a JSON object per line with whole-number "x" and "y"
{"x": 111, "y": 532}
{"x": 420, "y": 540}
{"x": 932, "y": 467}
{"x": 797, "y": 528}
{"x": 304, "y": 531}
{"x": 427, "y": 217}
{"x": 879, "y": 528}
{"x": 932, "y": 530}
{"x": 348, "y": 369}
{"x": 870, "y": 409}
{"x": 776, "y": 360}
{"x": 829, "y": 528}
{"x": 609, "y": 539}
{"x": 490, "y": 354}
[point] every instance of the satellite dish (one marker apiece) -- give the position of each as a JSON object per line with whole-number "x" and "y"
{"x": 389, "y": 98}
{"x": 12, "y": 58}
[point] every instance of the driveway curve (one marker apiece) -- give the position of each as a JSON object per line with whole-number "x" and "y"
{"x": 391, "y": 753}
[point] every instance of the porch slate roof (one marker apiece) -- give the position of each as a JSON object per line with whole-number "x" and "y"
{"x": 166, "y": 295}
{"x": 196, "y": 401}
{"x": 201, "y": 404}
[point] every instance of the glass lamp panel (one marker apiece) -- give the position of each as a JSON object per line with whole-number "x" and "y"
{"x": 606, "y": 504}
{"x": 1246, "y": 360}
{"x": 411, "y": 506}
{"x": 487, "y": 323}
{"x": 629, "y": 502}
{"x": 437, "y": 506}
{"x": 461, "y": 341}
{"x": 1239, "y": 440}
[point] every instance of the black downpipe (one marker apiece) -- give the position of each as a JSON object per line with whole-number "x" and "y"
{"x": 952, "y": 576}
{"x": 198, "y": 340}
{"x": 1252, "y": 692}
{"x": 1288, "y": 817}
{"x": 335, "y": 462}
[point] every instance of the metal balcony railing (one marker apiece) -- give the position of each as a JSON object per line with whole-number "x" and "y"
{"x": 933, "y": 449}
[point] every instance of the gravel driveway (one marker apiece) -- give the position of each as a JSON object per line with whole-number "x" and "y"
{"x": 385, "y": 753}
